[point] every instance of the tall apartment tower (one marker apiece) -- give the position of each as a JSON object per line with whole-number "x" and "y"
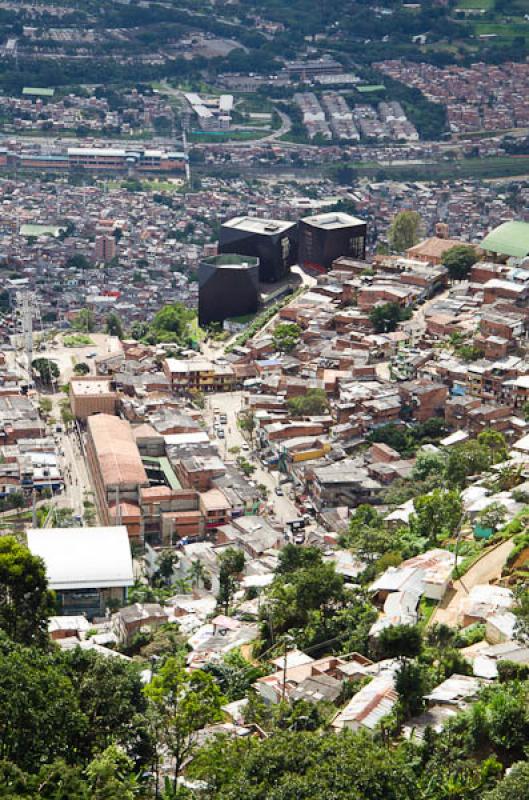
{"x": 105, "y": 249}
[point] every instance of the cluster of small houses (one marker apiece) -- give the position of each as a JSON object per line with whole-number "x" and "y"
{"x": 295, "y": 675}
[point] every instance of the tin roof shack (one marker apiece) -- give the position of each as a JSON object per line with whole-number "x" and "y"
{"x": 306, "y": 679}
{"x": 139, "y": 617}
{"x": 483, "y": 601}
{"x": 220, "y": 636}
{"x": 253, "y": 534}
{"x": 427, "y": 574}
{"x": 86, "y": 567}
{"x": 368, "y": 707}
{"x": 446, "y": 700}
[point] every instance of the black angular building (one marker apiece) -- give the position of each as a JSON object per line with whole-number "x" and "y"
{"x": 324, "y": 237}
{"x": 228, "y": 286}
{"x": 273, "y": 242}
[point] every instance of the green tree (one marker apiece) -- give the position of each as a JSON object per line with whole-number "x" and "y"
{"x": 311, "y": 404}
{"x": 411, "y": 684}
{"x": 198, "y": 574}
{"x": 496, "y": 444}
{"x": 186, "y": 703}
{"x": 47, "y": 370}
{"x": 114, "y": 325}
{"x": 385, "y": 317}
{"x": 234, "y": 675}
{"x": 521, "y": 610}
{"x": 303, "y": 602}
{"x": 111, "y": 776}
{"x": 367, "y": 536}
{"x": 166, "y": 563}
{"x": 81, "y": 369}
{"x": 78, "y": 261}
{"x": 110, "y": 698}
{"x": 437, "y": 515}
{"x": 306, "y": 766}
{"x": 139, "y": 330}
{"x": 464, "y": 460}
{"x": 286, "y": 336}
{"x": 459, "y": 260}
{"x": 84, "y": 321}
{"x": 514, "y": 786}
{"x": 404, "y": 231}
{"x": 25, "y": 601}
{"x": 399, "y": 641}
{"x": 429, "y": 465}
{"x": 172, "y": 324}
{"x": 293, "y": 558}
{"x": 231, "y": 566}
{"x": 247, "y": 422}
{"x": 39, "y": 714}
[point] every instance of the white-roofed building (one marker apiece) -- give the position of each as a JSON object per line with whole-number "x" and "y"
{"x": 87, "y": 568}
{"x": 483, "y": 601}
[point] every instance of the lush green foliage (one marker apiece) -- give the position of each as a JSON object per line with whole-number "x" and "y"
{"x": 459, "y": 260}
{"x": 404, "y": 231}
{"x": 313, "y": 403}
{"x": 46, "y": 369}
{"x": 385, "y": 318}
{"x": 25, "y": 601}
{"x": 172, "y": 324}
{"x": 286, "y": 336}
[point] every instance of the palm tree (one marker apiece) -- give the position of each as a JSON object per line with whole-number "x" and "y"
{"x": 166, "y": 564}
{"x": 197, "y": 573}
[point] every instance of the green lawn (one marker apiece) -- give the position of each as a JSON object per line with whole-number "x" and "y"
{"x": 228, "y": 136}
{"x": 486, "y": 4}
{"x": 77, "y": 340}
{"x": 503, "y": 30}
{"x": 497, "y": 167}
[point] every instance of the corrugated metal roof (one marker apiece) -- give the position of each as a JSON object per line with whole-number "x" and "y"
{"x": 116, "y": 450}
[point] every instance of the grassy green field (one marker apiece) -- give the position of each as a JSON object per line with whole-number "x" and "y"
{"x": 148, "y": 186}
{"x": 465, "y": 4}
{"x": 503, "y": 30}
{"x": 229, "y": 136}
{"x": 478, "y": 168}
{"x": 77, "y": 340}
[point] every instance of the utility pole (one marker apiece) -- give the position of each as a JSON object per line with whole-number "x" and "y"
{"x": 287, "y": 641}
{"x": 186, "y": 156}
{"x": 25, "y": 307}
{"x": 34, "y": 508}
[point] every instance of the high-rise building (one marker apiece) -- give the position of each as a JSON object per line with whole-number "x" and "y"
{"x": 324, "y": 237}
{"x": 273, "y": 242}
{"x": 228, "y": 286}
{"x": 105, "y": 249}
